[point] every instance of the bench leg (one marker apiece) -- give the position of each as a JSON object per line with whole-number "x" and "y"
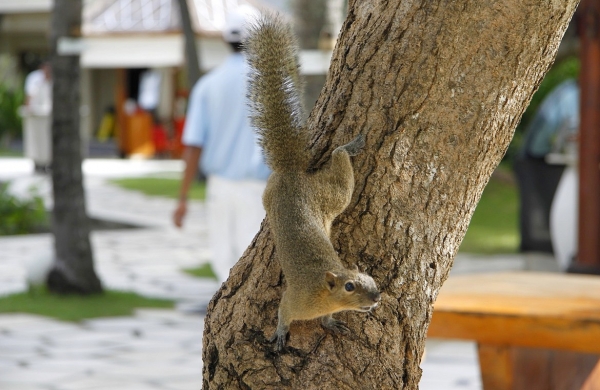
{"x": 593, "y": 381}
{"x": 496, "y": 365}
{"x": 518, "y": 368}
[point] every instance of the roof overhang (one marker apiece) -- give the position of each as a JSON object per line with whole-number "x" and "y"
{"x": 159, "y": 51}
{"x": 144, "y": 51}
{"x": 25, "y": 6}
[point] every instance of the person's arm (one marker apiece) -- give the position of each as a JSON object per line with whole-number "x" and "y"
{"x": 191, "y": 156}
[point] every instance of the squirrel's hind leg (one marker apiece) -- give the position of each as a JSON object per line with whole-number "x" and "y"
{"x": 283, "y": 325}
{"x": 280, "y": 337}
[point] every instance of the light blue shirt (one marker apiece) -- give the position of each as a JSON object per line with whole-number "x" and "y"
{"x": 217, "y": 121}
{"x": 556, "y": 119}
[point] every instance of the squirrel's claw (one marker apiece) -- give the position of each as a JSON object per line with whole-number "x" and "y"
{"x": 280, "y": 343}
{"x": 279, "y": 340}
{"x": 335, "y": 326}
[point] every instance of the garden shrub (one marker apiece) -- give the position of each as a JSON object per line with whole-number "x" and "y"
{"x": 21, "y": 216}
{"x": 10, "y": 120}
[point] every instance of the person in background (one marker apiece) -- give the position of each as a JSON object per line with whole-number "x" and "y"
{"x": 37, "y": 117}
{"x": 219, "y": 140}
{"x": 38, "y": 90}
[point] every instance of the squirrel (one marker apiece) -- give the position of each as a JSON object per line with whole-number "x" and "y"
{"x": 301, "y": 204}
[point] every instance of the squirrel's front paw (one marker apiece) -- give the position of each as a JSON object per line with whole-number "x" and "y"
{"x": 336, "y": 326}
{"x": 355, "y": 146}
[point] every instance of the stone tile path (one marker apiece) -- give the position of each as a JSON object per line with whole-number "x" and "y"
{"x": 154, "y": 349}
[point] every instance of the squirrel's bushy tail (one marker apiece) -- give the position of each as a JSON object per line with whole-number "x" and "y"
{"x": 275, "y": 94}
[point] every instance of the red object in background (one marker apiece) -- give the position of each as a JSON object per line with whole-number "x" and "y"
{"x": 137, "y": 134}
{"x": 176, "y": 145}
{"x": 588, "y": 257}
{"x": 160, "y": 139}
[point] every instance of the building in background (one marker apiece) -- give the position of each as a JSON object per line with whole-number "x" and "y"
{"x": 132, "y": 59}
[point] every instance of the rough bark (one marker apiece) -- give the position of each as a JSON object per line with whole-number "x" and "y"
{"x": 73, "y": 268}
{"x": 437, "y": 87}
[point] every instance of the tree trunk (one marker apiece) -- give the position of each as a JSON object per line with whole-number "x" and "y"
{"x": 73, "y": 269}
{"x": 310, "y": 18}
{"x": 437, "y": 88}
{"x": 192, "y": 60}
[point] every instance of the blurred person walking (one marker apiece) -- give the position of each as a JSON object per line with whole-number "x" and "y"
{"x": 220, "y": 141}
{"x": 38, "y": 90}
{"x": 37, "y": 117}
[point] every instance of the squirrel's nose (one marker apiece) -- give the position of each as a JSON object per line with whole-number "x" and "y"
{"x": 376, "y": 297}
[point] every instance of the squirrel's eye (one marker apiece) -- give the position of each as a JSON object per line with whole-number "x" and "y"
{"x": 349, "y": 286}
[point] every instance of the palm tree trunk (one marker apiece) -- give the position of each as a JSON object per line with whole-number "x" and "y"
{"x": 73, "y": 269}
{"x": 191, "y": 51}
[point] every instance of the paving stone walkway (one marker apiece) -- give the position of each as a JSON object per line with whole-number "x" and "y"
{"x": 154, "y": 349}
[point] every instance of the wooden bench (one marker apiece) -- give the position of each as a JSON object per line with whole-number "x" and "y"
{"x": 535, "y": 331}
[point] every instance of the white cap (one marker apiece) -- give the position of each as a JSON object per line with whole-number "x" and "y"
{"x": 237, "y": 21}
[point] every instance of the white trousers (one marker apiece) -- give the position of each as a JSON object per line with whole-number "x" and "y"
{"x": 235, "y": 212}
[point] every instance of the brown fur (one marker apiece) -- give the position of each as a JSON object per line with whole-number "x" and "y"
{"x": 301, "y": 206}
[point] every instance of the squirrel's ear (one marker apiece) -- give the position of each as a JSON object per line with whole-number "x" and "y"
{"x": 330, "y": 279}
{"x": 355, "y": 268}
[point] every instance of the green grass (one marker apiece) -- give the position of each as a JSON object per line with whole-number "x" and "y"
{"x": 76, "y": 308}
{"x": 203, "y": 271}
{"x": 156, "y": 186}
{"x": 10, "y": 153}
{"x": 494, "y": 226}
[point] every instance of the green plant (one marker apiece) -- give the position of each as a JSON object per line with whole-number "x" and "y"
{"x": 494, "y": 226}
{"x": 77, "y": 307}
{"x": 203, "y": 271}
{"x": 10, "y": 120}
{"x": 21, "y": 216}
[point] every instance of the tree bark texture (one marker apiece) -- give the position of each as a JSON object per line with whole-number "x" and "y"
{"x": 73, "y": 269}
{"x": 437, "y": 88}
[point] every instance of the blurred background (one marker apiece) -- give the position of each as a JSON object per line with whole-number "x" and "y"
{"x": 134, "y": 84}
